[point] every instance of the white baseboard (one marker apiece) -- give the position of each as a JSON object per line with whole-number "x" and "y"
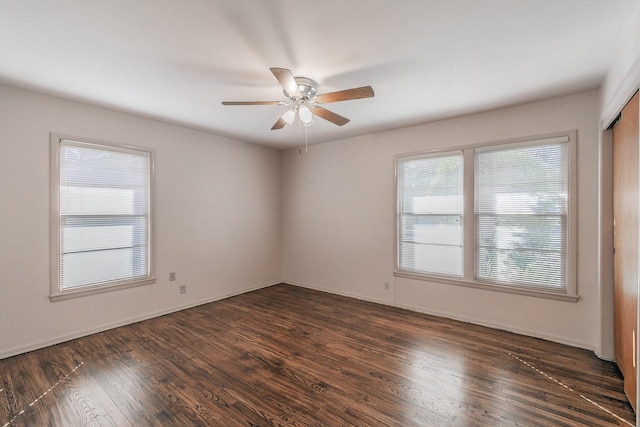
{"x": 502, "y": 327}
{"x": 78, "y": 334}
{"x": 334, "y": 292}
{"x": 105, "y": 327}
{"x": 446, "y": 315}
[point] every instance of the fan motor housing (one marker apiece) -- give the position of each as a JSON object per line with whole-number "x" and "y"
{"x": 308, "y": 88}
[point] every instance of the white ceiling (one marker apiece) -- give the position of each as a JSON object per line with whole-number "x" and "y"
{"x": 176, "y": 61}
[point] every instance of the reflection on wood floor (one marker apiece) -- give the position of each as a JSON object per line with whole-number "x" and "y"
{"x": 290, "y": 356}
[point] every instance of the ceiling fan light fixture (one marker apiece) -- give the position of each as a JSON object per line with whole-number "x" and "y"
{"x": 305, "y": 115}
{"x": 289, "y": 115}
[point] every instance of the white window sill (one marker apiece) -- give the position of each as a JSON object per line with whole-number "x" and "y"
{"x": 485, "y": 286}
{"x": 94, "y": 290}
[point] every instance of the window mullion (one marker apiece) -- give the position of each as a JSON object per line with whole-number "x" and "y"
{"x": 468, "y": 215}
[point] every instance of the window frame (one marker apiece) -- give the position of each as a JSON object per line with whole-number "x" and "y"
{"x": 56, "y": 293}
{"x": 468, "y": 217}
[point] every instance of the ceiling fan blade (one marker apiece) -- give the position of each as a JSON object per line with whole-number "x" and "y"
{"x": 252, "y": 102}
{"x": 279, "y": 124}
{"x": 287, "y": 81}
{"x": 345, "y": 95}
{"x": 330, "y": 116}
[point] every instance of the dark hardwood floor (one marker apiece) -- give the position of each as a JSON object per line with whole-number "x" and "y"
{"x": 295, "y": 357}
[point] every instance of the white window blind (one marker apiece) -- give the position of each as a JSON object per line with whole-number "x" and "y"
{"x": 521, "y": 196}
{"x": 430, "y": 214}
{"x": 104, "y": 221}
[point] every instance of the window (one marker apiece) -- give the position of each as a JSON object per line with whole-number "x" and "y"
{"x": 430, "y": 214}
{"x": 496, "y": 216}
{"x": 521, "y": 215}
{"x": 101, "y": 216}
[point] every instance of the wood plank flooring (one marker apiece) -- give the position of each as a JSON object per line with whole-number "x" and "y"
{"x": 290, "y": 356}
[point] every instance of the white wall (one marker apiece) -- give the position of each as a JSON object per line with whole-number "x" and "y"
{"x": 338, "y": 220}
{"x": 623, "y": 75}
{"x": 218, "y": 219}
{"x": 220, "y": 205}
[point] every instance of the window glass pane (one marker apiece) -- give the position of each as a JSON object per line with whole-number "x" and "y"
{"x": 432, "y": 229}
{"x": 91, "y": 234}
{"x": 531, "y": 269}
{"x": 430, "y": 217}
{"x": 88, "y": 200}
{"x": 438, "y": 259}
{"x": 521, "y": 215}
{"x": 80, "y": 269}
{"x": 524, "y": 250}
{"x": 432, "y": 185}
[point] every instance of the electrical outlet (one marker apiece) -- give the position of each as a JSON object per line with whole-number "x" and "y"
{"x": 387, "y": 286}
{"x": 183, "y": 289}
{"x": 172, "y": 276}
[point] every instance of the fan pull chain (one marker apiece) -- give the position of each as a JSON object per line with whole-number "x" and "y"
{"x": 300, "y": 133}
{"x": 306, "y": 137}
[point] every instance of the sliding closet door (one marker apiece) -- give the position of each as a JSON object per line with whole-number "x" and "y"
{"x": 625, "y": 239}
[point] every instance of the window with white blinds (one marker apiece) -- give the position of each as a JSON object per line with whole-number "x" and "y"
{"x": 430, "y": 214}
{"x": 521, "y": 215}
{"x": 102, "y": 216}
{"x": 499, "y": 216}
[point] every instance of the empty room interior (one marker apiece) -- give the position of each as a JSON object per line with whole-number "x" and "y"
{"x": 254, "y": 213}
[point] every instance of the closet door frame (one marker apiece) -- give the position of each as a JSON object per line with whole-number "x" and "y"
{"x": 605, "y": 345}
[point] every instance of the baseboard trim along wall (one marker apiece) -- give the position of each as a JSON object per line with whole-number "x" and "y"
{"x": 508, "y": 328}
{"x": 60, "y": 339}
{"x": 63, "y": 338}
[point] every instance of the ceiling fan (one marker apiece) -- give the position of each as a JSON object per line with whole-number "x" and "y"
{"x": 304, "y": 101}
